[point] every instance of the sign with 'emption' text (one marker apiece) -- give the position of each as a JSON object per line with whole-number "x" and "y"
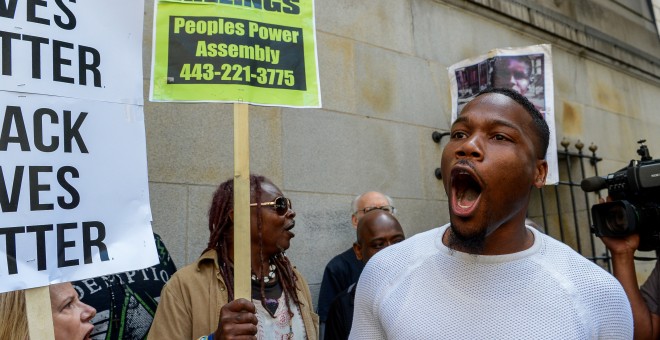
{"x": 255, "y": 51}
{"x": 74, "y": 198}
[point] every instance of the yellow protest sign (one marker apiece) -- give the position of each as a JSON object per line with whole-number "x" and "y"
{"x": 253, "y": 51}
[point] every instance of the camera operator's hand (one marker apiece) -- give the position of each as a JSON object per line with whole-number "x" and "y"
{"x": 622, "y": 246}
{"x": 622, "y": 249}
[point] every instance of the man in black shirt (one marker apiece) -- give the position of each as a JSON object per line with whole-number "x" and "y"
{"x": 377, "y": 230}
{"x": 345, "y": 269}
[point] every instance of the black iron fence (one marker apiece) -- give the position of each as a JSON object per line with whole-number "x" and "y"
{"x": 563, "y": 210}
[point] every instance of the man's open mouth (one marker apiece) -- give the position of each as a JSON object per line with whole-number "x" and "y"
{"x": 466, "y": 191}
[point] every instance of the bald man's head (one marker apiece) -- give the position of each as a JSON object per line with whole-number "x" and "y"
{"x": 376, "y": 230}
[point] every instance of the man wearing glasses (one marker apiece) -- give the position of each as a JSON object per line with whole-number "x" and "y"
{"x": 345, "y": 269}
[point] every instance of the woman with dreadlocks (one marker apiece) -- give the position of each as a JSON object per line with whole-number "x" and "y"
{"x": 198, "y": 301}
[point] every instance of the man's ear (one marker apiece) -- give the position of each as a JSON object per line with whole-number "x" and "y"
{"x": 231, "y": 215}
{"x": 354, "y": 220}
{"x": 357, "y": 249}
{"x": 541, "y": 173}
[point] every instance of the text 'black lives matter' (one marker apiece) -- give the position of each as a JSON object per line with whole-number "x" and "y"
{"x": 88, "y": 59}
{"x": 38, "y": 142}
{"x": 16, "y": 137}
{"x": 37, "y": 234}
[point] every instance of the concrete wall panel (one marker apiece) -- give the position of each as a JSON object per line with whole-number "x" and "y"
{"x": 339, "y": 153}
{"x": 193, "y": 143}
{"x": 384, "y": 23}
{"x": 385, "y": 90}
{"x": 337, "y": 71}
{"x": 388, "y": 81}
{"x": 448, "y": 35}
{"x": 169, "y": 208}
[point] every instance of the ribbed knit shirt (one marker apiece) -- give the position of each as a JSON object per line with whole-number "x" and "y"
{"x": 421, "y": 289}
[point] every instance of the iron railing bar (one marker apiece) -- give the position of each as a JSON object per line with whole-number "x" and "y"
{"x": 586, "y": 200}
{"x": 545, "y": 218}
{"x": 572, "y": 194}
{"x": 561, "y": 224}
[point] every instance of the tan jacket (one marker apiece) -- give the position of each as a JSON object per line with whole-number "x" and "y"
{"x": 190, "y": 303}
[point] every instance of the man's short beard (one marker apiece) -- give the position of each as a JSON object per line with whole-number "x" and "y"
{"x": 471, "y": 244}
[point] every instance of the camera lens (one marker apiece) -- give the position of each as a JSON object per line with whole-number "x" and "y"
{"x": 615, "y": 219}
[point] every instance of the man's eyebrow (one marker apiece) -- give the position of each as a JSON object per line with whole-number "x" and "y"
{"x": 466, "y": 120}
{"x": 506, "y": 123}
{"x": 460, "y": 119}
{"x": 376, "y": 239}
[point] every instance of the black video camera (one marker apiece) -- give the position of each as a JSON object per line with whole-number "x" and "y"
{"x": 635, "y": 205}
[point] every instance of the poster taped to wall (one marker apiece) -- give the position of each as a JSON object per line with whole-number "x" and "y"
{"x": 250, "y": 52}
{"x": 527, "y": 70}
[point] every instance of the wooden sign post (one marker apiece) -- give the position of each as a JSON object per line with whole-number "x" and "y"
{"x": 39, "y": 315}
{"x": 186, "y": 68}
{"x": 242, "y": 263}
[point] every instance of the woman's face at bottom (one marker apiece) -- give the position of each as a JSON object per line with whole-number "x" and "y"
{"x": 71, "y": 317}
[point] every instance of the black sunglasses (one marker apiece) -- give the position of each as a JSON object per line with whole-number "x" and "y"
{"x": 280, "y": 203}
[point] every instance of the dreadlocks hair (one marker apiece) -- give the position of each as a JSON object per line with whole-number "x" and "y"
{"x": 220, "y": 227}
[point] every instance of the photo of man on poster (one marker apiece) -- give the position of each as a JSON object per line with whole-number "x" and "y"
{"x": 523, "y": 74}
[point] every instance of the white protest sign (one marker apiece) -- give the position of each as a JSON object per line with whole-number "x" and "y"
{"x": 80, "y": 49}
{"x": 74, "y": 195}
{"x": 73, "y": 190}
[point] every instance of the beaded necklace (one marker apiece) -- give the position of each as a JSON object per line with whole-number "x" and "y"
{"x": 269, "y": 277}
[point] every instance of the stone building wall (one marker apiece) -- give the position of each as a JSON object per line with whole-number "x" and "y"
{"x": 384, "y": 84}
